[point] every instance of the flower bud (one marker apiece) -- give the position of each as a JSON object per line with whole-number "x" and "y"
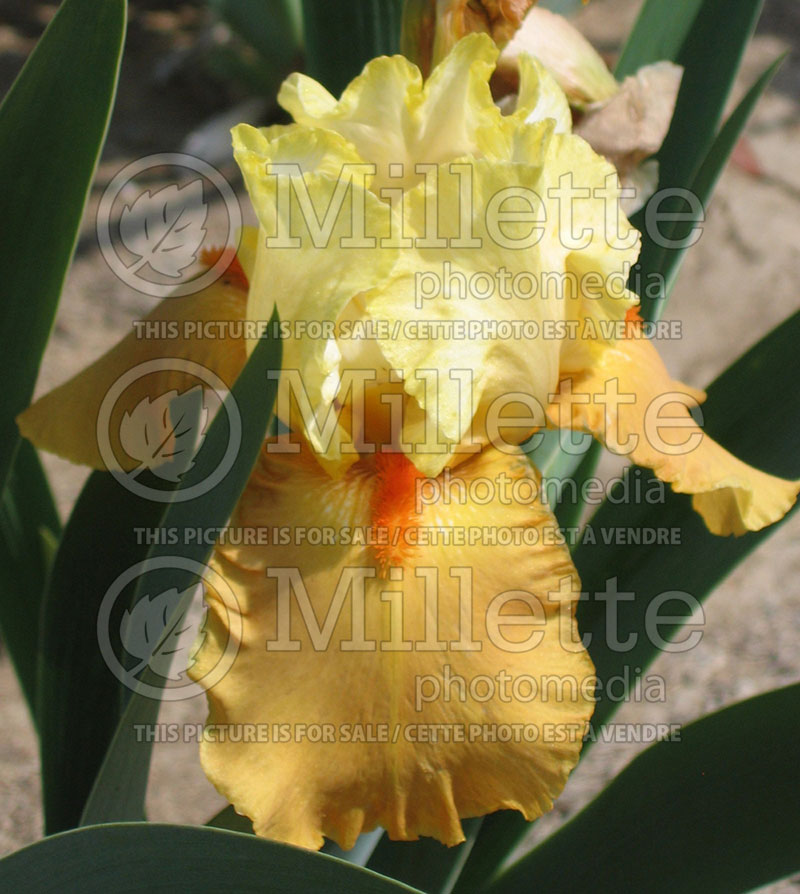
{"x": 431, "y": 28}
{"x": 560, "y": 47}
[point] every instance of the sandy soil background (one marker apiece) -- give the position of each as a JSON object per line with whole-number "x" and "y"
{"x": 740, "y": 280}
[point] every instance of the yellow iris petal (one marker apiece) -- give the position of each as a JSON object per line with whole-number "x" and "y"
{"x": 454, "y": 311}
{"x": 368, "y": 671}
{"x": 490, "y": 206}
{"x": 391, "y": 117}
{"x": 602, "y": 245}
{"x": 655, "y": 428}
{"x": 64, "y": 421}
{"x": 582, "y": 194}
{"x": 320, "y": 245}
{"x": 540, "y": 96}
{"x": 498, "y": 290}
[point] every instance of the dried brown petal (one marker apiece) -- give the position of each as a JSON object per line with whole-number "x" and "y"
{"x": 632, "y": 125}
{"x": 431, "y": 28}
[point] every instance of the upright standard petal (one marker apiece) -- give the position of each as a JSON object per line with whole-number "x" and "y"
{"x": 323, "y": 240}
{"x": 507, "y": 228}
{"x": 629, "y": 401}
{"x": 417, "y": 665}
{"x": 540, "y": 97}
{"x": 392, "y": 118}
{"x": 467, "y": 322}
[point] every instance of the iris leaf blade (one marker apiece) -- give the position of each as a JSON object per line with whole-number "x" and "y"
{"x": 658, "y": 33}
{"x": 714, "y": 163}
{"x": 727, "y": 26}
{"x": 731, "y": 772}
{"x": 75, "y": 730}
{"x": 119, "y": 789}
{"x": 130, "y": 858}
{"x": 341, "y": 38}
{"x": 29, "y": 526}
{"x": 53, "y": 123}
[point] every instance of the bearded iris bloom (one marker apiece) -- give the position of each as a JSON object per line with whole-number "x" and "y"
{"x": 436, "y": 661}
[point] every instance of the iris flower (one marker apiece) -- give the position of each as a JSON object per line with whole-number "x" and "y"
{"x": 406, "y": 668}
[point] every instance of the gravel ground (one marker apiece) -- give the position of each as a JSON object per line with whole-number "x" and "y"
{"x": 740, "y": 280}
